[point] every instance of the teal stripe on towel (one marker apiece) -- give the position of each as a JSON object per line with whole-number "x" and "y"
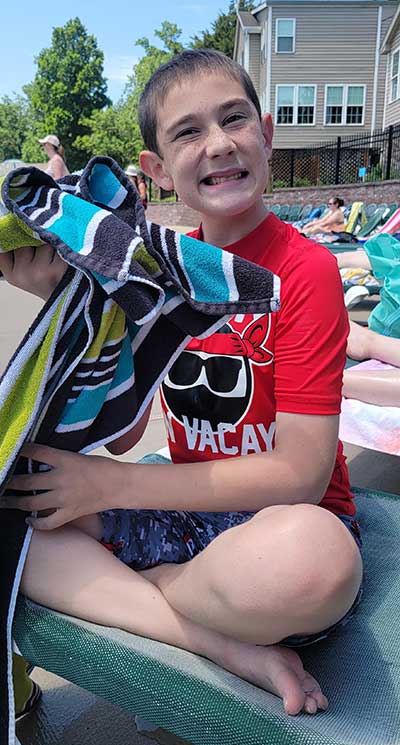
{"x": 86, "y": 407}
{"x": 69, "y": 227}
{"x": 104, "y": 186}
{"x": 203, "y": 264}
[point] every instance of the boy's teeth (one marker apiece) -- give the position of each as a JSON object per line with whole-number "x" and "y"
{"x": 213, "y": 180}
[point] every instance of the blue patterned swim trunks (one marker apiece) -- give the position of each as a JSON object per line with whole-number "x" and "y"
{"x": 146, "y": 538}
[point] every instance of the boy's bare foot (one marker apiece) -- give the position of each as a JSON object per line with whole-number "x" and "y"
{"x": 278, "y": 670}
{"x": 358, "y": 342}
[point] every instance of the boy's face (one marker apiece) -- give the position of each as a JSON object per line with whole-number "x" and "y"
{"x": 214, "y": 149}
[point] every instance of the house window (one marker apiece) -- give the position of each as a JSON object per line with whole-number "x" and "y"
{"x": 306, "y": 104}
{"x": 285, "y": 104}
{"x": 285, "y": 35}
{"x": 394, "y": 78}
{"x": 345, "y": 104}
{"x": 355, "y": 104}
{"x": 295, "y": 104}
{"x": 334, "y": 104}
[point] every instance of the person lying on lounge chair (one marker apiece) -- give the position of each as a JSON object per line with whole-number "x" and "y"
{"x": 332, "y": 222}
{"x": 380, "y": 387}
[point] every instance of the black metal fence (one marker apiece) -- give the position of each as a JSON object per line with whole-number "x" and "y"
{"x": 346, "y": 160}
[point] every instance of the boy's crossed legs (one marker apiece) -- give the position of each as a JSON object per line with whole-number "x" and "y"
{"x": 291, "y": 570}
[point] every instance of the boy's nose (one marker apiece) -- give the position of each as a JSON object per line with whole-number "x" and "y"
{"x": 219, "y": 142}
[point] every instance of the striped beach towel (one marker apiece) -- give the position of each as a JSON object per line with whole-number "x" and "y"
{"x": 132, "y": 297}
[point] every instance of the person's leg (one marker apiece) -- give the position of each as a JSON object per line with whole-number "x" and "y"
{"x": 379, "y": 387}
{"x": 68, "y": 570}
{"x": 363, "y": 344}
{"x": 269, "y": 578}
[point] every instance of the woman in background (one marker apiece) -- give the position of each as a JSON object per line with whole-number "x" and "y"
{"x": 56, "y": 166}
{"x": 332, "y": 222}
{"x": 137, "y": 179}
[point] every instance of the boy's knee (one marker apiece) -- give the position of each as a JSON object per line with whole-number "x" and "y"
{"x": 304, "y": 562}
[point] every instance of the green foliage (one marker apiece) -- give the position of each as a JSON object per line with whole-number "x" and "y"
{"x": 153, "y": 57}
{"x": 299, "y": 182}
{"x": 222, "y": 34}
{"x": 115, "y": 130}
{"x": 68, "y": 86}
{"x": 14, "y": 123}
{"x": 111, "y": 132}
{"x": 279, "y": 184}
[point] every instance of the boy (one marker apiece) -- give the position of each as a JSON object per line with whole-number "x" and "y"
{"x": 252, "y": 419}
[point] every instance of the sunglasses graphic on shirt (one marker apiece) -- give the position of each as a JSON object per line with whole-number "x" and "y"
{"x": 223, "y": 375}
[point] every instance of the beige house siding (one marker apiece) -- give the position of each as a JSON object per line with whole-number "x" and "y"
{"x": 328, "y": 41}
{"x": 254, "y": 59}
{"x": 392, "y": 115}
{"x": 387, "y": 15}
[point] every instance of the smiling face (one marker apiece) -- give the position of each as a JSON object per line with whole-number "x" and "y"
{"x": 214, "y": 150}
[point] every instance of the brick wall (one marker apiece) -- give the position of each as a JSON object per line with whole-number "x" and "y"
{"x": 172, "y": 213}
{"x": 176, "y": 213}
{"x": 378, "y": 191}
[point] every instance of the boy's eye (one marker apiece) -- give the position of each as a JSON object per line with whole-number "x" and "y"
{"x": 186, "y": 133}
{"x": 233, "y": 118}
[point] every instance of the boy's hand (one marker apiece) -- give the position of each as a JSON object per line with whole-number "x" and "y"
{"x": 77, "y": 485}
{"x": 36, "y": 270}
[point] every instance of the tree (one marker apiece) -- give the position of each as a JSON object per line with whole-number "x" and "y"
{"x": 222, "y": 35}
{"x": 14, "y": 123}
{"x": 153, "y": 57}
{"x": 111, "y": 132}
{"x": 68, "y": 86}
{"x": 115, "y": 130}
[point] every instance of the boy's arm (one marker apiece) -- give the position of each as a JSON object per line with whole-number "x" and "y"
{"x": 131, "y": 438}
{"x": 297, "y": 471}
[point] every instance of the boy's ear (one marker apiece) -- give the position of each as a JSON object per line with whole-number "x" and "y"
{"x": 152, "y": 165}
{"x": 268, "y": 131}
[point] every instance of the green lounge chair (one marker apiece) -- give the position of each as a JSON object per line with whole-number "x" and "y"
{"x": 294, "y": 213}
{"x": 358, "y": 666}
{"x": 305, "y": 211}
{"x": 370, "y": 209}
{"x": 276, "y": 208}
{"x": 284, "y": 211}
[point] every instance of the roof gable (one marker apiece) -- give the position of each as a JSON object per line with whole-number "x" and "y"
{"x": 393, "y": 28}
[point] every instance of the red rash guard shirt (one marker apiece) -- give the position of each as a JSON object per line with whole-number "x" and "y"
{"x": 221, "y": 396}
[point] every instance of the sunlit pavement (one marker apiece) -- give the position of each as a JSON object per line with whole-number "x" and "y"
{"x": 67, "y": 714}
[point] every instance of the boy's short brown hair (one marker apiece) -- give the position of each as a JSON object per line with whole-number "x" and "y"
{"x": 184, "y": 65}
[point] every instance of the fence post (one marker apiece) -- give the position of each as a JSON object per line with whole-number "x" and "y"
{"x": 337, "y": 169}
{"x": 292, "y": 168}
{"x": 389, "y": 153}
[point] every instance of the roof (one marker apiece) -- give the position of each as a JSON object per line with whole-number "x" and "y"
{"x": 247, "y": 19}
{"x": 272, "y": 3}
{"x": 394, "y": 26}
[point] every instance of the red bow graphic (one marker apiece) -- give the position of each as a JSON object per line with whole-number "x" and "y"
{"x": 248, "y": 345}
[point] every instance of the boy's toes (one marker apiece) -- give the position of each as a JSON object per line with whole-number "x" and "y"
{"x": 310, "y": 705}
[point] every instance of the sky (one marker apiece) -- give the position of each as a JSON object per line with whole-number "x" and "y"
{"x": 26, "y": 28}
